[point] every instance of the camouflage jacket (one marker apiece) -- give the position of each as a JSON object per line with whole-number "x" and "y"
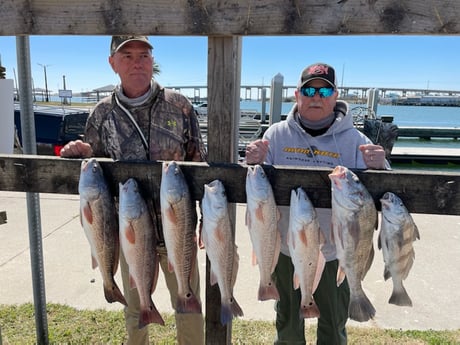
{"x": 167, "y": 120}
{"x": 168, "y": 123}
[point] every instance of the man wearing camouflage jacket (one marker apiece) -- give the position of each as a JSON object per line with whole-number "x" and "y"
{"x": 141, "y": 120}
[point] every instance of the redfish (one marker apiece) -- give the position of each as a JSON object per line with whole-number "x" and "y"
{"x": 262, "y": 217}
{"x": 138, "y": 242}
{"x": 221, "y": 249}
{"x": 178, "y": 212}
{"x": 305, "y": 241}
{"x": 99, "y": 220}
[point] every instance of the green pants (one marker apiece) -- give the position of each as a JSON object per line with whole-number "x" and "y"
{"x": 332, "y": 302}
{"x": 190, "y": 327}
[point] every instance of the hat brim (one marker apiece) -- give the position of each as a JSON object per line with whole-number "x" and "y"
{"x": 317, "y": 78}
{"x": 133, "y": 40}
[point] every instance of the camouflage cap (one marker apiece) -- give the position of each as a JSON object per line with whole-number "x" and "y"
{"x": 120, "y": 41}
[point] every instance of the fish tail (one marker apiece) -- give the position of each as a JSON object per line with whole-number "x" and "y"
{"x": 360, "y": 308}
{"x": 188, "y": 304}
{"x": 112, "y": 294}
{"x": 150, "y": 315}
{"x": 230, "y": 310}
{"x": 400, "y": 297}
{"x": 310, "y": 310}
{"x": 268, "y": 292}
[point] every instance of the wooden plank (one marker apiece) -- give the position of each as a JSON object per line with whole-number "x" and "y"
{"x": 224, "y": 70}
{"x": 232, "y": 17}
{"x": 423, "y": 191}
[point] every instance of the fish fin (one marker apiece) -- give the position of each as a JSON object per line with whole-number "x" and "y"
{"x": 268, "y": 292}
{"x": 360, "y": 308}
{"x": 188, "y": 304}
{"x": 259, "y": 212}
{"x": 93, "y": 262}
{"x": 132, "y": 282}
{"x": 156, "y": 271}
{"x": 386, "y": 273}
{"x": 254, "y": 258}
{"x": 340, "y": 275}
{"x": 369, "y": 261}
{"x": 303, "y": 238}
{"x": 170, "y": 266}
{"x": 220, "y": 234}
{"x": 81, "y": 218}
{"x": 170, "y": 214}
{"x": 112, "y": 294}
{"x": 248, "y": 218}
{"x": 116, "y": 255}
{"x": 295, "y": 281}
{"x": 236, "y": 260}
{"x": 212, "y": 277}
{"x": 416, "y": 232}
{"x": 399, "y": 296}
{"x": 229, "y": 310}
{"x": 319, "y": 271}
{"x": 150, "y": 315}
{"x": 278, "y": 214}
{"x": 130, "y": 234}
{"x": 88, "y": 213}
{"x": 376, "y": 224}
{"x": 277, "y": 251}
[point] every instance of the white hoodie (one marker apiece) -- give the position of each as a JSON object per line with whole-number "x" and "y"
{"x": 290, "y": 144}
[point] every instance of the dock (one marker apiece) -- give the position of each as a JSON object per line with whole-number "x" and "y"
{"x": 428, "y": 132}
{"x": 424, "y": 155}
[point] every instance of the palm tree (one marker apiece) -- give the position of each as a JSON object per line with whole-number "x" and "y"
{"x": 156, "y": 68}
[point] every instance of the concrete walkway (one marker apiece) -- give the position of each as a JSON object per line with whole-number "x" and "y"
{"x": 432, "y": 284}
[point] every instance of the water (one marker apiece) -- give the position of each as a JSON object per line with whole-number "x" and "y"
{"x": 418, "y": 116}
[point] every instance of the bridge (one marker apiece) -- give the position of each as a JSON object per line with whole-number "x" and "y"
{"x": 198, "y": 93}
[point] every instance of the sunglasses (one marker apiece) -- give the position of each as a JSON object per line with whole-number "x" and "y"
{"x": 322, "y": 91}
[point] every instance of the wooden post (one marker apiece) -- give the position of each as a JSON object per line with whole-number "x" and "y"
{"x": 224, "y": 79}
{"x": 276, "y": 98}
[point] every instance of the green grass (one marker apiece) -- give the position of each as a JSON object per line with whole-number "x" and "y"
{"x": 67, "y": 325}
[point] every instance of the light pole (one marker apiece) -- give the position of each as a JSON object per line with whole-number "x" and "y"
{"x": 46, "y": 82}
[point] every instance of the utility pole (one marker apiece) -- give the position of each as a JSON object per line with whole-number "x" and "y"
{"x": 47, "y": 99}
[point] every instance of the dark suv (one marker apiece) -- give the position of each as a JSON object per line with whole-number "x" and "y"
{"x": 54, "y": 127}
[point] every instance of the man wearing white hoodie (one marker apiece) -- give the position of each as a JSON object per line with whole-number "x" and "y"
{"x": 318, "y": 131}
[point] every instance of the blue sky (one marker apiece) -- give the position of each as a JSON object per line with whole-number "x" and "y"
{"x": 371, "y": 61}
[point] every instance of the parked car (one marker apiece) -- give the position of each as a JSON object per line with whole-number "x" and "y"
{"x": 201, "y": 109}
{"x": 54, "y": 127}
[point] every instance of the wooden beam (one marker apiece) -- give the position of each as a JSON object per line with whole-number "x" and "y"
{"x": 224, "y": 70}
{"x": 423, "y": 191}
{"x": 232, "y": 17}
